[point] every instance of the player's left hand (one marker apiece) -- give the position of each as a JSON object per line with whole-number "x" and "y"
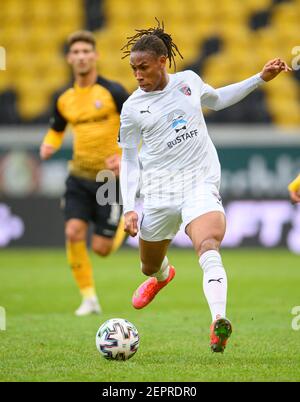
{"x": 295, "y": 197}
{"x": 113, "y": 163}
{"x": 273, "y": 68}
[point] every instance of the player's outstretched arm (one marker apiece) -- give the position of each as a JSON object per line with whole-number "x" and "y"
{"x": 229, "y": 95}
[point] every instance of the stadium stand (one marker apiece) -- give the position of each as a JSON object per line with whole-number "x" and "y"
{"x": 223, "y": 41}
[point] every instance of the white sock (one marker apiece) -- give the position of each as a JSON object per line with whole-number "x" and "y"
{"x": 214, "y": 282}
{"x": 163, "y": 273}
{"x": 93, "y": 299}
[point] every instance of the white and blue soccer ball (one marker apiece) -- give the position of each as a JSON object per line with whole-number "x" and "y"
{"x": 117, "y": 339}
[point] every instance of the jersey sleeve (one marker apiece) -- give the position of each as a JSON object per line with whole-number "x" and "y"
{"x": 55, "y": 134}
{"x": 129, "y": 178}
{"x": 221, "y": 98}
{"x": 207, "y": 94}
{"x": 129, "y": 134}
{"x": 57, "y": 121}
{"x": 120, "y": 95}
{"x": 295, "y": 184}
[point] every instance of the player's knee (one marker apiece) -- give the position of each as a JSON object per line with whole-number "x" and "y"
{"x": 74, "y": 233}
{"x": 103, "y": 250}
{"x": 208, "y": 244}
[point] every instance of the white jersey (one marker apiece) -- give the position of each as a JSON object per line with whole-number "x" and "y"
{"x": 177, "y": 153}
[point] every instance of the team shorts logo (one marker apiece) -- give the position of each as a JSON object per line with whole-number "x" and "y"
{"x": 176, "y": 118}
{"x": 186, "y": 90}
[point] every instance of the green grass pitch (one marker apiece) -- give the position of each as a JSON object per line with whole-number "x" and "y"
{"x": 44, "y": 341}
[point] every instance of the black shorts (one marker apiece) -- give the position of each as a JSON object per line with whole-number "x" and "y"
{"x": 80, "y": 202}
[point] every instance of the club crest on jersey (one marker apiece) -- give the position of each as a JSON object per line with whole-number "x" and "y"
{"x": 98, "y": 104}
{"x": 186, "y": 90}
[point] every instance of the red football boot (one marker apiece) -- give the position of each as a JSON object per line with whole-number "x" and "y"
{"x": 220, "y": 331}
{"x": 146, "y": 292}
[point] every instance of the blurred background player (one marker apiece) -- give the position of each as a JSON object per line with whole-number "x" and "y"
{"x": 92, "y": 107}
{"x": 294, "y": 189}
{"x": 181, "y": 170}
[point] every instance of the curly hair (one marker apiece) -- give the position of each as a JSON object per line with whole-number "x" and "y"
{"x": 155, "y": 40}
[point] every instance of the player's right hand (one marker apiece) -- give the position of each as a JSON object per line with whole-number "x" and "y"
{"x": 46, "y": 151}
{"x": 131, "y": 223}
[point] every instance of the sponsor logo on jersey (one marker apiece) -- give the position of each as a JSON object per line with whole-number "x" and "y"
{"x": 182, "y": 138}
{"x": 179, "y": 123}
{"x": 177, "y": 120}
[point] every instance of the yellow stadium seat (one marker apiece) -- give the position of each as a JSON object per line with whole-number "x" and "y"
{"x": 283, "y": 101}
{"x": 203, "y": 8}
{"x": 284, "y": 113}
{"x": 170, "y": 9}
{"x": 117, "y": 10}
{"x": 217, "y": 70}
{"x": 13, "y": 10}
{"x": 40, "y": 11}
{"x": 284, "y": 86}
{"x": 286, "y": 13}
{"x": 257, "y": 5}
{"x": 233, "y": 11}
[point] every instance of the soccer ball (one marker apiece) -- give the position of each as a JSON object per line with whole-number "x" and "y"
{"x": 117, "y": 339}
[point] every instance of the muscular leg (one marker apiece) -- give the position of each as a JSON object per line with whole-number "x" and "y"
{"x": 152, "y": 255}
{"x": 206, "y": 233}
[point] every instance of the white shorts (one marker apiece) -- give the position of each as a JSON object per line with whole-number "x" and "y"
{"x": 162, "y": 223}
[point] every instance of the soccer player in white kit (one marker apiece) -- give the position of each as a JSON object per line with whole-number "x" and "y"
{"x": 177, "y": 168}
